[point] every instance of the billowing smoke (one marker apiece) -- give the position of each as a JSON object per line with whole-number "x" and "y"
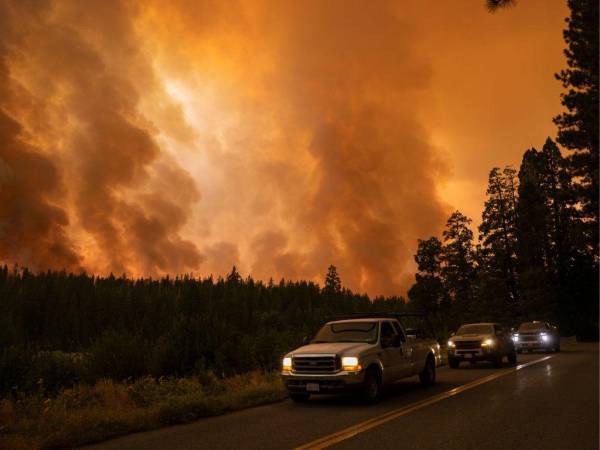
{"x": 75, "y": 75}
{"x": 298, "y": 122}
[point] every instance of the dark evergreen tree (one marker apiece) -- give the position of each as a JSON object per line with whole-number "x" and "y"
{"x": 458, "y": 270}
{"x": 542, "y": 229}
{"x": 495, "y": 5}
{"x": 578, "y": 126}
{"x": 428, "y": 293}
{"x": 497, "y": 234}
{"x": 333, "y": 283}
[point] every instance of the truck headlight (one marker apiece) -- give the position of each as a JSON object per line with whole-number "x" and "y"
{"x": 286, "y": 365}
{"x": 350, "y": 364}
{"x": 488, "y": 343}
{"x": 515, "y": 337}
{"x": 451, "y": 344}
{"x": 544, "y": 337}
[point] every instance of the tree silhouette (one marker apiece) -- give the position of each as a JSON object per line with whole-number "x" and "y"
{"x": 428, "y": 292}
{"x": 458, "y": 269}
{"x": 497, "y": 232}
{"x": 495, "y": 5}
{"x": 578, "y": 126}
{"x": 333, "y": 284}
{"x": 534, "y": 230}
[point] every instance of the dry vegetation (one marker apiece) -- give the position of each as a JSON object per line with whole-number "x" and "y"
{"x": 85, "y": 413}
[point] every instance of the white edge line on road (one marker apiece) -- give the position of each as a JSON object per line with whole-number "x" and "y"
{"x": 361, "y": 427}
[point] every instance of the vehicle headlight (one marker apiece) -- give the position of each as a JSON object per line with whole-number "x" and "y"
{"x": 515, "y": 337}
{"x": 451, "y": 344}
{"x": 488, "y": 343}
{"x": 350, "y": 364}
{"x": 286, "y": 365}
{"x": 544, "y": 337}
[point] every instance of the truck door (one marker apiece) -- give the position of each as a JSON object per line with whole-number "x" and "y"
{"x": 391, "y": 354}
{"x": 408, "y": 352}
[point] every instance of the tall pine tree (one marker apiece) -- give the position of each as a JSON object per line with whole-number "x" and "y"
{"x": 428, "y": 291}
{"x": 497, "y": 235}
{"x": 458, "y": 269}
{"x": 578, "y": 126}
{"x": 543, "y": 227}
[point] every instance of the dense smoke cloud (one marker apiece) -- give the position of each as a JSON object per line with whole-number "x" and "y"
{"x": 153, "y": 138}
{"x": 80, "y": 63}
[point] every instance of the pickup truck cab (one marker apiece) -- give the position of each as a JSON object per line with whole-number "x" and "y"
{"x": 360, "y": 355}
{"x": 481, "y": 342}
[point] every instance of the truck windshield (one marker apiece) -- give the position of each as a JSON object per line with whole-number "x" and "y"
{"x": 348, "y": 332}
{"x": 476, "y": 328}
{"x": 531, "y": 326}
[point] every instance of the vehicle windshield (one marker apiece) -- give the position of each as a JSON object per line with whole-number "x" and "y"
{"x": 347, "y": 332}
{"x": 476, "y": 328}
{"x": 531, "y": 326}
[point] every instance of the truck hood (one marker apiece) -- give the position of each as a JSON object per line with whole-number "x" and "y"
{"x": 339, "y": 348}
{"x": 472, "y": 337}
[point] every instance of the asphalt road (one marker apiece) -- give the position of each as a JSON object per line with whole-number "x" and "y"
{"x": 550, "y": 404}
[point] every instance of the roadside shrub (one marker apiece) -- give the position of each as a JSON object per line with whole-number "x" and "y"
{"x": 55, "y": 370}
{"x": 15, "y": 363}
{"x": 118, "y": 356}
{"x": 147, "y": 391}
{"x": 210, "y": 382}
{"x": 24, "y": 370}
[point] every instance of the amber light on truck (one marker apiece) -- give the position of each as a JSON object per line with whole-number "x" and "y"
{"x": 350, "y": 364}
{"x": 287, "y": 364}
{"x": 488, "y": 343}
{"x": 451, "y": 344}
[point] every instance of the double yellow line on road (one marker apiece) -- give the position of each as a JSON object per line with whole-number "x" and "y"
{"x": 349, "y": 432}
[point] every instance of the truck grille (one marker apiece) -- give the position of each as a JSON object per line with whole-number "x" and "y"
{"x": 467, "y": 345}
{"x": 528, "y": 338}
{"x": 315, "y": 364}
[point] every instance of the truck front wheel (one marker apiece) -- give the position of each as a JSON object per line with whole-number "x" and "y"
{"x": 497, "y": 360}
{"x": 427, "y": 375}
{"x": 512, "y": 357}
{"x": 372, "y": 386}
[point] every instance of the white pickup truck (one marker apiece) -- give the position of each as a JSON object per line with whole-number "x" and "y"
{"x": 362, "y": 354}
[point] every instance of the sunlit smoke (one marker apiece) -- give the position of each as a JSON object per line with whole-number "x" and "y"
{"x": 153, "y": 138}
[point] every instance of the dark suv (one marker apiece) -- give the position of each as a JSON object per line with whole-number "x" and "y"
{"x": 537, "y": 335}
{"x": 481, "y": 342}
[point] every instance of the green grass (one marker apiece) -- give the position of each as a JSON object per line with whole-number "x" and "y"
{"x": 86, "y": 414}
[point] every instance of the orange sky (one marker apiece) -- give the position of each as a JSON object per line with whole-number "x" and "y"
{"x": 282, "y": 137}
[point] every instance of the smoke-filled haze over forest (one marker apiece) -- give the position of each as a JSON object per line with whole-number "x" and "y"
{"x": 154, "y": 138}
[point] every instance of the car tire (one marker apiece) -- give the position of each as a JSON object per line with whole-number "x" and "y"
{"x": 512, "y": 358}
{"x": 497, "y": 361}
{"x": 372, "y": 387}
{"x": 453, "y": 363}
{"x": 427, "y": 375}
{"x": 300, "y": 397}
